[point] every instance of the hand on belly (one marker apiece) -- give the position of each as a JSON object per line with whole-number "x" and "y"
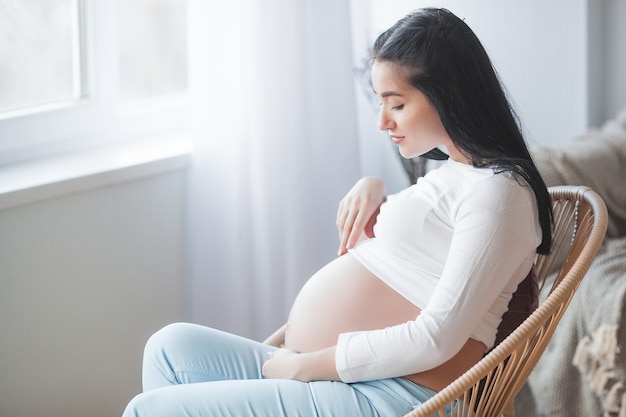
{"x": 341, "y": 297}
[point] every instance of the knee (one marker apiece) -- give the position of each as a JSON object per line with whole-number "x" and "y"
{"x": 165, "y": 339}
{"x": 161, "y": 353}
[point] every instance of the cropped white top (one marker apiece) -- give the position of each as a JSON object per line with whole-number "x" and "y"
{"x": 456, "y": 244}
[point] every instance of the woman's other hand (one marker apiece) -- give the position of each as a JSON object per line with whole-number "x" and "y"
{"x": 281, "y": 364}
{"x": 312, "y": 366}
{"x": 358, "y": 210}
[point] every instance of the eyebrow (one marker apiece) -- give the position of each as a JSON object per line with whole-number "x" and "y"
{"x": 390, "y": 94}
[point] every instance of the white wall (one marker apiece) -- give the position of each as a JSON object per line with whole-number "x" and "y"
{"x": 607, "y": 59}
{"x": 84, "y": 280}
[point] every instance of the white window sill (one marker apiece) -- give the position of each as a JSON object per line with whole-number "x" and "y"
{"x": 30, "y": 182}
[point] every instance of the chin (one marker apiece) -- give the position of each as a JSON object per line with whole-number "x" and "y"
{"x": 409, "y": 155}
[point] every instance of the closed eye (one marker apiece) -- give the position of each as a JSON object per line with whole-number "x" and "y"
{"x": 396, "y": 108}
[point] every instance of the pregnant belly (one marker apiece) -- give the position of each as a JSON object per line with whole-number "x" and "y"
{"x": 343, "y": 296}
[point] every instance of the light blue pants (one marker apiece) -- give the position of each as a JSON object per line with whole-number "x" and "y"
{"x": 191, "y": 370}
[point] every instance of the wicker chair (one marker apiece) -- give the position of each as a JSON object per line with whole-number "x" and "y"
{"x": 489, "y": 387}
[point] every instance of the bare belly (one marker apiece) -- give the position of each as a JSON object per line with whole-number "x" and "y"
{"x": 345, "y": 296}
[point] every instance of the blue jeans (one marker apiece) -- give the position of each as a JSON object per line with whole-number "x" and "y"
{"x": 191, "y": 370}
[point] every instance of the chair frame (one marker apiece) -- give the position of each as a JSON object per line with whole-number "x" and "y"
{"x": 488, "y": 389}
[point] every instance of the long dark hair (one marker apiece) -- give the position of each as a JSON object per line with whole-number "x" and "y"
{"x": 442, "y": 57}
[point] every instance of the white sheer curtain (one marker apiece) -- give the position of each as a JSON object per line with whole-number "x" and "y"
{"x": 275, "y": 150}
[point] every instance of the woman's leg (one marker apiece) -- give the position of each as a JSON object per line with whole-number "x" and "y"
{"x": 184, "y": 353}
{"x": 192, "y": 370}
{"x": 253, "y": 398}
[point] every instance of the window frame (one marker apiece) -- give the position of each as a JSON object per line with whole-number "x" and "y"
{"x": 97, "y": 118}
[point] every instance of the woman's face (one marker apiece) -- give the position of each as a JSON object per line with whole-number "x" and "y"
{"x": 412, "y": 122}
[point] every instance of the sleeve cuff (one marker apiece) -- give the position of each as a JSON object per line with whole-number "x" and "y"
{"x": 351, "y": 357}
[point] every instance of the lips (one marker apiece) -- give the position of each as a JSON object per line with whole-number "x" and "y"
{"x": 395, "y": 138}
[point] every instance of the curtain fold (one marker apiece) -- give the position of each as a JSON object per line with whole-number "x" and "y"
{"x": 275, "y": 137}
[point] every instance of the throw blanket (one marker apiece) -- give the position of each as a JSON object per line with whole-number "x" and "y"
{"x": 582, "y": 373}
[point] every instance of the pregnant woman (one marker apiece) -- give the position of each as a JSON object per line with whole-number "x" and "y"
{"x": 423, "y": 276}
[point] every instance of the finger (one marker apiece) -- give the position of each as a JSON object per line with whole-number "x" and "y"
{"x": 347, "y": 232}
{"x": 265, "y": 370}
{"x": 342, "y": 218}
{"x": 356, "y": 230}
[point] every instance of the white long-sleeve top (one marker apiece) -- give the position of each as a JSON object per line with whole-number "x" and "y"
{"x": 456, "y": 244}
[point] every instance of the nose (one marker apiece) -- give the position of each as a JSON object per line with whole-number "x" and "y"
{"x": 384, "y": 121}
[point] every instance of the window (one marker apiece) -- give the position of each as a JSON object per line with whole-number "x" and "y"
{"x": 40, "y": 61}
{"x": 77, "y": 74}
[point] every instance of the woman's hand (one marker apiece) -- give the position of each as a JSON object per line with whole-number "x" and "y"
{"x": 281, "y": 364}
{"x": 358, "y": 210}
{"x": 313, "y": 366}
